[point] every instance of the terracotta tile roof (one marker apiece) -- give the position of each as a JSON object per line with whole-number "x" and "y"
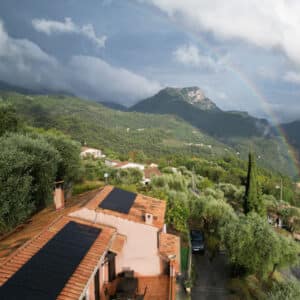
{"x": 169, "y": 244}
{"x": 151, "y": 171}
{"x": 118, "y": 243}
{"x": 38, "y": 222}
{"x": 142, "y": 204}
{"x": 78, "y": 281}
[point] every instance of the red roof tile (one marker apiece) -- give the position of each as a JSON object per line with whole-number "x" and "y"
{"x": 142, "y": 204}
{"x": 151, "y": 171}
{"x": 169, "y": 245}
{"x": 78, "y": 281}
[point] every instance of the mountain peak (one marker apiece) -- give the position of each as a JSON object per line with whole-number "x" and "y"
{"x": 193, "y": 95}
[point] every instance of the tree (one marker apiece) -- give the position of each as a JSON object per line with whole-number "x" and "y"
{"x": 211, "y": 212}
{"x": 27, "y": 171}
{"x": 9, "y": 121}
{"x": 252, "y": 198}
{"x": 177, "y": 211}
{"x": 69, "y": 160}
{"x": 42, "y": 166}
{"x": 252, "y": 245}
{"x": 16, "y": 202}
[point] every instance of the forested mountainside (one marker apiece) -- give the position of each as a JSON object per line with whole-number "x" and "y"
{"x": 154, "y": 134}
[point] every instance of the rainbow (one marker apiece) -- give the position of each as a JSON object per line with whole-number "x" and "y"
{"x": 268, "y": 110}
{"x": 261, "y": 98}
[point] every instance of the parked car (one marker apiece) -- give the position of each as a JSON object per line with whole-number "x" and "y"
{"x": 197, "y": 241}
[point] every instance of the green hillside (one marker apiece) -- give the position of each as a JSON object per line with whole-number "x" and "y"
{"x": 99, "y": 126}
{"x": 239, "y": 130}
{"x": 154, "y": 134}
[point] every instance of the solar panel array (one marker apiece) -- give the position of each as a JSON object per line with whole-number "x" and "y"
{"x": 47, "y": 272}
{"x": 118, "y": 200}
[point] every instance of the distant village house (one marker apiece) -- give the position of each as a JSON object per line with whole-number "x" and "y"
{"x": 95, "y": 153}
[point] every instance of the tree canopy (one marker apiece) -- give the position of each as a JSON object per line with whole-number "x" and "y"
{"x": 254, "y": 246}
{"x": 9, "y": 119}
{"x": 252, "y": 199}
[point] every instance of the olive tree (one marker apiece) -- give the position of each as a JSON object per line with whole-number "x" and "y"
{"x": 27, "y": 172}
{"x": 254, "y": 246}
{"x": 9, "y": 122}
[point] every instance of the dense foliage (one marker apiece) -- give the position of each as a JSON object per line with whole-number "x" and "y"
{"x": 289, "y": 290}
{"x": 252, "y": 199}
{"x": 253, "y": 245}
{"x": 155, "y": 134}
{"x": 8, "y": 117}
{"x": 30, "y": 162}
{"x": 31, "y": 170}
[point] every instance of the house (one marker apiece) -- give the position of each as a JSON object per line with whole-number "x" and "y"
{"x": 129, "y": 165}
{"x": 123, "y": 164}
{"x": 149, "y": 172}
{"x": 111, "y": 162}
{"x": 87, "y": 151}
{"x": 112, "y": 243}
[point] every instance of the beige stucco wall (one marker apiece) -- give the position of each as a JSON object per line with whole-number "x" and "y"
{"x": 140, "y": 252}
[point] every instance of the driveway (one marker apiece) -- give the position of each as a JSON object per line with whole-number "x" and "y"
{"x": 211, "y": 278}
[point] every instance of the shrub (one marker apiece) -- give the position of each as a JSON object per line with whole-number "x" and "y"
{"x": 289, "y": 290}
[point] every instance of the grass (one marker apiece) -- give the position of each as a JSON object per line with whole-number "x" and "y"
{"x": 80, "y": 188}
{"x": 184, "y": 253}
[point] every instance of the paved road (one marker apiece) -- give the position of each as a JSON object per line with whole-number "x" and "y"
{"x": 211, "y": 278}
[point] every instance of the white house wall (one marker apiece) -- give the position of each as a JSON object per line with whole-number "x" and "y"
{"x": 133, "y": 165}
{"x": 140, "y": 252}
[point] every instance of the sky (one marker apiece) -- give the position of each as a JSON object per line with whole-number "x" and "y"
{"x": 245, "y": 55}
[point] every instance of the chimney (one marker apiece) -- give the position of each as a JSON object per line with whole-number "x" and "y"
{"x": 59, "y": 197}
{"x": 148, "y": 219}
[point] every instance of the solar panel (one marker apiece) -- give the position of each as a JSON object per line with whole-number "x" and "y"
{"x": 47, "y": 272}
{"x": 118, "y": 200}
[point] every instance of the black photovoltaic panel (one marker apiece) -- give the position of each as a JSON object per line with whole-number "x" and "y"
{"x": 45, "y": 275}
{"x": 118, "y": 200}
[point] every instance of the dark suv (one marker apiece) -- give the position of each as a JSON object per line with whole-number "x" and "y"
{"x": 197, "y": 241}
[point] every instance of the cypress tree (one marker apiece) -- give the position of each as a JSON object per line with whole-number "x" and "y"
{"x": 252, "y": 198}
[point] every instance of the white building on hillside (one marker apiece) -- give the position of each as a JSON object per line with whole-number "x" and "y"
{"x": 87, "y": 151}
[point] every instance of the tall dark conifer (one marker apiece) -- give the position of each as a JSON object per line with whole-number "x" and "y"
{"x": 252, "y": 198}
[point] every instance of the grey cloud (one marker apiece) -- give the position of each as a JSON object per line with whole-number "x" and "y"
{"x": 268, "y": 24}
{"x": 190, "y": 55}
{"x": 102, "y": 79}
{"x": 23, "y": 63}
{"x": 292, "y": 76}
{"x": 68, "y": 26}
